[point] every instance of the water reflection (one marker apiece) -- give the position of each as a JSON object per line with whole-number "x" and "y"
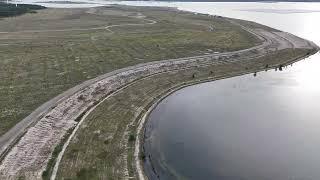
{"x": 307, "y": 75}
{"x": 264, "y": 127}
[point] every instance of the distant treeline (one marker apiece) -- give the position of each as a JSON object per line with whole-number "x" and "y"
{"x": 268, "y": 1}
{"x": 7, "y": 10}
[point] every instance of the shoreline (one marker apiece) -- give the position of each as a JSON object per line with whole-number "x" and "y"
{"x": 140, "y": 137}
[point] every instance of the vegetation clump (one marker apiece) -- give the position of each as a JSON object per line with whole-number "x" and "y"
{"x": 281, "y": 67}
{"x": 142, "y": 156}
{"x": 86, "y": 173}
{"x": 132, "y": 138}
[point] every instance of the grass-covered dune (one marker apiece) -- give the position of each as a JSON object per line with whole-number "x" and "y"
{"x": 7, "y": 10}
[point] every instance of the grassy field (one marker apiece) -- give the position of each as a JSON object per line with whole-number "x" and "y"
{"x": 43, "y": 54}
{"x": 104, "y": 145}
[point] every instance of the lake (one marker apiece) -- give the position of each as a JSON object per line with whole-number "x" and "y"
{"x": 243, "y": 128}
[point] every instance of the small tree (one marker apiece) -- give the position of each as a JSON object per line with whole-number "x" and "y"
{"x": 194, "y": 75}
{"x": 81, "y": 97}
{"x": 281, "y": 67}
{"x": 142, "y": 156}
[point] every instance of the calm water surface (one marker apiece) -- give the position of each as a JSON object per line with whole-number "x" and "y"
{"x": 243, "y": 128}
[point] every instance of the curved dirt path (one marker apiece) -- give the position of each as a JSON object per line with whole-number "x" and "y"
{"x": 18, "y": 129}
{"x": 149, "y": 22}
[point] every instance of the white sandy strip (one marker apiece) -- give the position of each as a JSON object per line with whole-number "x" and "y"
{"x": 33, "y": 151}
{"x": 55, "y": 169}
{"x": 56, "y": 166}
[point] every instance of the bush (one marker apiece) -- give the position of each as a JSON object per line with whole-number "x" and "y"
{"x": 132, "y": 138}
{"x": 142, "y": 156}
{"x": 86, "y": 174}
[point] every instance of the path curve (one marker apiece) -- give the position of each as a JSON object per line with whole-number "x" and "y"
{"x": 15, "y": 132}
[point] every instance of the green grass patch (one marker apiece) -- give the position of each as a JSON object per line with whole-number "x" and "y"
{"x": 35, "y": 67}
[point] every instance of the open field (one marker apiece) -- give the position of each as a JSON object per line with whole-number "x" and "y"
{"x": 46, "y": 53}
{"x": 93, "y": 130}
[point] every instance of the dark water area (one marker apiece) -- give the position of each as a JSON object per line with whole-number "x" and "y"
{"x": 244, "y": 128}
